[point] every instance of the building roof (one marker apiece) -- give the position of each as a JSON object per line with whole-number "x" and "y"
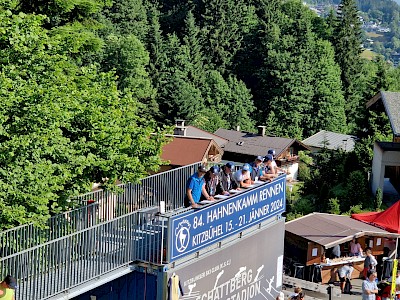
{"x": 254, "y": 144}
{"x": 197, "y": 132}
{"x": 183, "y": 150}
{"x": 331, "y": 140}
{"x": 329, "y": 230}
{"x": 389, "y": 146}
{"x": 391, "y": 103}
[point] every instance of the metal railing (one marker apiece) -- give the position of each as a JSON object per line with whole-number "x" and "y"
{"x": 52, "y": 268}
{"x": 101, "y": 206}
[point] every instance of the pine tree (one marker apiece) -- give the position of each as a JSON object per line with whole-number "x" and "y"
{"x": 346, "y": 40}
{"x": 328, "y": 103}
{"x": 225, "y": 24}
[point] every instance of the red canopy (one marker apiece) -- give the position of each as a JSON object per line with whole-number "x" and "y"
{"x": 388, "y": 219}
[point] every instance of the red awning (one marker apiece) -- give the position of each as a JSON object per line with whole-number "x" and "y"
{"x": 388, "y": 219}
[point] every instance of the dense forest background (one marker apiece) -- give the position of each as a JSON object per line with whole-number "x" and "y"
{"x": 89, "y": 88}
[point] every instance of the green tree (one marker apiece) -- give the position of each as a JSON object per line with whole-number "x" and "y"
{"x": 225, "y": 24}
{"x": 127, "y": 56}
{"x": 328, "y": 103}
{"x": 62, "y": 126}
{"x": 346, "y": 40}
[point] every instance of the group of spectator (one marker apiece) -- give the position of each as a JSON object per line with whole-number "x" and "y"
{"x": 205, "y": 184}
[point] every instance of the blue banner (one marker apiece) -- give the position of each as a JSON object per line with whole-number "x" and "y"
{"x": 199, "y": 228}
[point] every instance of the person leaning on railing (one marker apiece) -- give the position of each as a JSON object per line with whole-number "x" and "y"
{"x": 213, "y": 183}
{"x": 242, "y": 176}
{"x": 226, "y": 177}
{"x": 7, "y": 288}
{"x": 269, "y": 172}
{"x": 195, "y": 186}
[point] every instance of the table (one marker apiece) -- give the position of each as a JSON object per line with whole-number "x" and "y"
{"x": 328, "y": 269}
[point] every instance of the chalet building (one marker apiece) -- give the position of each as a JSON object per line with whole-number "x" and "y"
{"x": 330, "y": 140}
{"x": 386, "y": 161}
{"x": 245, "y": 146}
{"x": 190, "y": 145}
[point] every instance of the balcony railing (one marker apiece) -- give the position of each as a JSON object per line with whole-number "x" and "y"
{"x": 102, "y": 206}
{"x": 96, "y": 239}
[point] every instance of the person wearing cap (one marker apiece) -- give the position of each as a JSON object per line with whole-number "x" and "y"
{"x": 226, "y": 177}
{"x": 256, "y": 170}
{"x": 213, "y": 183}
{"x": 269, "y": 173}
{"x": 273, "y": 164}
{"x": 7, "y": 288}
{"x": 242, "y": 176}
{"x": 195, "y": 186}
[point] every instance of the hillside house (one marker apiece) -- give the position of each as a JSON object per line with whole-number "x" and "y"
{"x": 245, "y": 146}
{"x": 386, "y": 161}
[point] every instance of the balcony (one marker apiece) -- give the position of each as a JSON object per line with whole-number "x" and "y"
{"x": 112, "y": 232}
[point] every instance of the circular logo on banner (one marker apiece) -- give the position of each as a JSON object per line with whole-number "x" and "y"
{"x": 182, "y": 236}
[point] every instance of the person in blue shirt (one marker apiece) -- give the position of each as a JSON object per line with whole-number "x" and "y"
{"x": 369, "y": 287}
{"x": 195, "y": 186}
{"x": 256, "y": 170}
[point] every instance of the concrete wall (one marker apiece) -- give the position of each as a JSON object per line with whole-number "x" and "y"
{"x": 380, "y": 160}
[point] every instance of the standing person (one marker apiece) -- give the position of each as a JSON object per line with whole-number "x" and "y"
{"x": 369, "y": 287}
{"x": 242, "y": 176}
{"x": 344, "y": 273}
{"x": 195, "y": 186}
{"x": 7, "y": 288}
{"x": 256, "y": 168}
{"x": 355, "y": 248}
{"x": 369, "y": 262}
{"x": 226, "y": 176}
{"x": 336, "y": 251}
{"x": 213, "y": 183}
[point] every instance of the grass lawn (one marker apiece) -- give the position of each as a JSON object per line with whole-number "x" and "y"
{"x": 368, "y": 54}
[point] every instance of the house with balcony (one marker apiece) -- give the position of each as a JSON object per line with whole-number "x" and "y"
{"x": 245, "y": 146}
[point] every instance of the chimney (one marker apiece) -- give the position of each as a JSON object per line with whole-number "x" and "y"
{"x": 179, "y": 123}
{"x": 261, "y": 130}
{"x": 238, "y": 128}
{"x": 180, "y": 128}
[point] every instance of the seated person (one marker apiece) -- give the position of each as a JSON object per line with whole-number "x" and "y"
{"x": 256, "y": 170}
{"x": 344, "y": 273}
{"x": 355, "y": 248}
{"x": 195, "y": 186}
{"x": 296, "y": 291}
{"x": 213, "y": 183}
{"x": 226, "y": 177}
{"x": 269, "y": 172}
{"x": 242, "y": 176}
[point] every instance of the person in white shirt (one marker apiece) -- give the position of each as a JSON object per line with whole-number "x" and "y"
{"x": 242, "y": 176}
{"x": 344, "y": 273}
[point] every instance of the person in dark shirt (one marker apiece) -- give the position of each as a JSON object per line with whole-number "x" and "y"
{"x": 226, "y": 176}
{"x": 213, "y": 182}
